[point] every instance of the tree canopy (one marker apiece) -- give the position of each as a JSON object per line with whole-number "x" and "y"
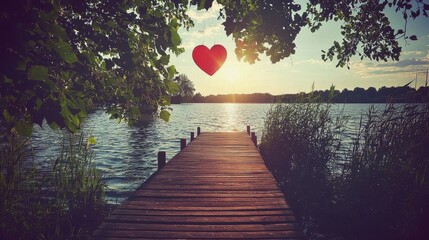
{"x": 271, "y": 27}
{"x": 59, "y": 58}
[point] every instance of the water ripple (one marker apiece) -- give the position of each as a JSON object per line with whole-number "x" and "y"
{"x": 127, "y": 155}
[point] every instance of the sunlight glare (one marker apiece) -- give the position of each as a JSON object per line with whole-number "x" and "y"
{"x": 231, "y": 73}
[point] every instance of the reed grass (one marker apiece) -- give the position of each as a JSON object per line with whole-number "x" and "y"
{"x": 66, "y": 203}
{"x": 382, "y": 190}
{"x": 298, "y": 144}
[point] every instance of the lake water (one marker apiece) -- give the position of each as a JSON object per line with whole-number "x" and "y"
{"x": 127, "y": 155}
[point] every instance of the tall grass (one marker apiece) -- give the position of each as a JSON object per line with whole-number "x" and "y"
{"x": 19, "y": 205}
{"x": 382, "y": 190}
{"x": 298, "y": 144}
{"x": 66, "y": 203}
{"x": 78, "y": 185}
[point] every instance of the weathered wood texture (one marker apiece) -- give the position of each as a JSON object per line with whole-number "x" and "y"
{"x": 216, "y": 188}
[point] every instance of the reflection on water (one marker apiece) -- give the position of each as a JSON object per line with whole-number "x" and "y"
{"x": 127, "y": 155}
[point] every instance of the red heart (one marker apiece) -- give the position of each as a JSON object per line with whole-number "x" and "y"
{"x": 209, "y": 60}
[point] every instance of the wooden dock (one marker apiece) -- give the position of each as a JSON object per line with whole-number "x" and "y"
{"x": 218, "y": 187}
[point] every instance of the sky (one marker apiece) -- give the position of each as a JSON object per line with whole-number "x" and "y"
{"x": 298, "y": 72}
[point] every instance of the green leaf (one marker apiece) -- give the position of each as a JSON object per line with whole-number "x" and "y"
{"x": 22, "y": 64}
{"x": 55, "y": 30}
{"x": 54, "y": 125}
{"x": 38, "y": 72}
{"x": 7, "y": 116}
{"x": 30, "y": 44}
{"x": 65, "y": 51}
{"x": 171, "y": 71}
{"x": 92, "y": 140}
{"x": 175, "y": 38}
{"x": 201, "y": 4}
{"x": 70, "y": 125}
{"x": 165, "y": 101}
{"x": 171, "y": 86}
{"x": 111, "y": 24}
{"x": 165, "y": 59}
{"x": 413, "y": 37}
{"x": 134, "y": 111}
{"x": 91, "y": 57}
{"x": 103, "y": 65}
{"x": 165, "y": 115}
{"x": 76, "y": 120}
{"x": 158, "y": 13}
{"x": 24, "y": 128}
{"x": 7, "y": 80}
{"x": 38, "y": 104}
{"x": 174, "y": 24}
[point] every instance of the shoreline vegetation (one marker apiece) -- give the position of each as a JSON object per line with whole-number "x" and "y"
{"x": 62, "y": 200}
{"x": 377, "y": 188}
{"x": 403, "y": 94}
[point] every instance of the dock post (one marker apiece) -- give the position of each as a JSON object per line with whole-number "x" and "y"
{"x": 254, "y": 138}
{"x": 192, "y": 136}
{"x": 161, "y": 159}
{"x": 182, "y": 143}
{"x": 248, "y": 130}
{"x": 198, "y": 131}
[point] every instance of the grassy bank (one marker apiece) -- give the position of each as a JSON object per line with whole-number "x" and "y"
{"x": 65, "y": 201}
{"x": 381, "y": 192}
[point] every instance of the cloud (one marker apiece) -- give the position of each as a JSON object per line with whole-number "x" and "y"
{"x": 188, "y": 44}
{"x": 412, "y": 53}
{"x": 401, "y": 69}
{"x": 208, "y": 32}
{"x": 290, "y": 62}
{"x": 410, "y": 62}
{"x": 198, "y": 17}
{"x": 192, "y": 39}
{"x": 202, "y": 15}
{"x": 206, "y": 28}
{"x": 310, "y": 61}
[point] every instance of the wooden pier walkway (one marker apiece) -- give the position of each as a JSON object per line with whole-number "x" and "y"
{"x": 218, "y": 187}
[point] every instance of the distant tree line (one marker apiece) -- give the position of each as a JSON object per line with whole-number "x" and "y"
{"x": 234, "y": 98}
{"x": 357, "y": 95}
{"x": 371, "y": 95}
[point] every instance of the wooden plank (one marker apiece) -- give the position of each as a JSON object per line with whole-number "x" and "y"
{"x": 275, "y": 200}
{"x": 203, "y": 213}
{"x": 224, "y": 187}
{"x": 217, "y": 187}
{"x": 161, "y": 204}
{"x": 209, "y": 193}
{"x": 200, "y": 227}
{"x": 200, "y": 219}
{"x": 200, "y": 208}
{"x": 197, "y": 235}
